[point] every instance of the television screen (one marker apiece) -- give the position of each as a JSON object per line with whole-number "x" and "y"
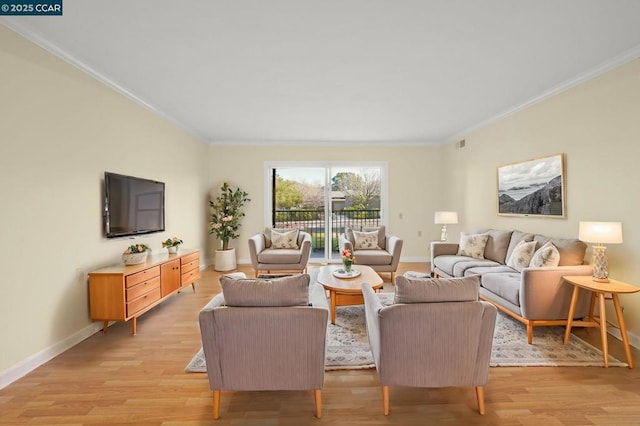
{"x": 133, "y": 206}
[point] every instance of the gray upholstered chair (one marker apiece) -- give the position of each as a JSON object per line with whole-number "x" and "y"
{"x": 382, "y": 257}
{"x": 266, "y": 257}
{"x": 436, "y": 334}
{"x": 261, "y": 334}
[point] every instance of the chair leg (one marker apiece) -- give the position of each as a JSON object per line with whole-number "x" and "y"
{"x": 480, "y": 398}
{"x": 393, "y": 278}
{"x": 216, "y": 404}
{"x": 318, "y": 398}
{"x": 385, "y": 400}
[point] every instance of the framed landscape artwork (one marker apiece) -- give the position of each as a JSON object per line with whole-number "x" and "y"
{"x": 532, "y": 188}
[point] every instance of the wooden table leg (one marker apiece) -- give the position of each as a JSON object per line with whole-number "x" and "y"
{"x": 332, "y": 295}
{"x": 603, "y": 330}
{"x": 623, "y": 329}
{"x": 572, "y": 310}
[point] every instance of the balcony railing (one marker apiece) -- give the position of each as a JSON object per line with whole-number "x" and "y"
{"x": 313, "y": 222}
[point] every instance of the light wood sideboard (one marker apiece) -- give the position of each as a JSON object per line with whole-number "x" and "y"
{"x": 124, "y": 292}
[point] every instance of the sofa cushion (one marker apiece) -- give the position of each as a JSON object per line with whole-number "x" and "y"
{"x": 481, "y": 270}
{"x": 472, "y": 245}
{"x": 272, "y": 255}
{"x": 497, "y": 245}
{"x": 430, "y": 290}
{"x": 284, "y": 239}
{"x": 546, "y": 256}
{"x": 571, "y": 250}
{"x": 366, "y": 240}
{"x": 460, "y": 268}
{"x": 505, "y": 285}
{"x": 373, "y": 257}
{"x": 521, "y": 255}
{"x": 450, "y": 264}
{"x": 516, "y": 237}
{"x": 284, "y": 291}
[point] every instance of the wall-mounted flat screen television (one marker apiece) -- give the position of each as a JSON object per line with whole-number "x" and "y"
{"x": 133, "y": 206}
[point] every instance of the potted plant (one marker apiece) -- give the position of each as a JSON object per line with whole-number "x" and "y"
{"x": 135, "y": 254}
{"x": 226, "y": 211}
{"x": 172, "y": 244}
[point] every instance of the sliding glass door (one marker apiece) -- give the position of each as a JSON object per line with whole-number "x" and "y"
{"x": 322, "y": 199}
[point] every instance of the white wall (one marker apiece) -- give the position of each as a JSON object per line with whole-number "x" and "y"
{"x": 61, "y": 130}
{"x": 597, "y": 126}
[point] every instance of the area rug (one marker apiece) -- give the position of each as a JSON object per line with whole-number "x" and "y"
{"x": 348, "y": 345}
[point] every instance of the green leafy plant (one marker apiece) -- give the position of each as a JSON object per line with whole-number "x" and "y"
{"x": 172, "y": 242}
{"x": 226, "y": 211}
{"x": 137, "y": 248}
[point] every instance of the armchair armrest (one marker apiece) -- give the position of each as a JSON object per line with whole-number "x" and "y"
{"x": 257, "y": 243}
{"x": 305, "y": 246}
{"x": 344, "y": 243}
{"x": 372, "y": 305}
{"x": 394, "y": 247}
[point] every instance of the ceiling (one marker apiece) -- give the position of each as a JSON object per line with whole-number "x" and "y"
{"x": 338, "y": 71}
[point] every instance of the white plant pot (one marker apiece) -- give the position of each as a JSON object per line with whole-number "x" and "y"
{"x": 173, "y": 249}
{"x": 225, "y": 260}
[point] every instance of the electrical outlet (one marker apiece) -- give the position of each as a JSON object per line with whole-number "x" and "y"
{"x": 419, "y": 233}
{"x": 400, "y": 216}
{"x": 81, "y": 275}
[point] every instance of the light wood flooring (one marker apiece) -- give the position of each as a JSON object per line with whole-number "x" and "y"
{"x": 118, "y": 378}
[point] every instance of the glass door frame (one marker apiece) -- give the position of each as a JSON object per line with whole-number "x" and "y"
{"x": 327, "y": 165}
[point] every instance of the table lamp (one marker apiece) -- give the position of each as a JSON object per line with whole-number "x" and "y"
{"x": 444, "y": 219}
{"x": 600, "y": 233}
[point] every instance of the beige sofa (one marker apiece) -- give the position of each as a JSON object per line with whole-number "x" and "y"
{"x": 535, "y": 296}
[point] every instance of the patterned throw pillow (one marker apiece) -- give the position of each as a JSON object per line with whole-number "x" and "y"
{"x": 546, "y": 256}
{"x": 521, "y": 255}
{"x": 366, "y": 240}
{"x": 284, "y": 239}
{"x": 472, "y": 245}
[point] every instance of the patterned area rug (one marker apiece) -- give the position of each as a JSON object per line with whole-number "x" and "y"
{"x": 348, "y": 345}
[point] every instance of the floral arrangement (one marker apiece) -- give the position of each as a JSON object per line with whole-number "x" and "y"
{"x": 226, "y": 211}
{"x": 348, "y": 259}
{"x": 348, "y": 256}
{"x": 171, "y": 242}
{"x": 137, "y": 248}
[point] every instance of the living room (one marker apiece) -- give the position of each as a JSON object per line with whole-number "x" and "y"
{"x": 63, "y": 129}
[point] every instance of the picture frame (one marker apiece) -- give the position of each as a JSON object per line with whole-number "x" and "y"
{"x": 533, "y": 188}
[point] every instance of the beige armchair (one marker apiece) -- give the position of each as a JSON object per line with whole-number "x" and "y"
{"x": 381, "y": 253}
{"x": 265, "y": 335}
{"x": 436, "y": 334}
{"x": 265, "y": 256}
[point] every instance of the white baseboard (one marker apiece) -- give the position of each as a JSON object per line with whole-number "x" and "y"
{"x": 34, "y": 361}
{"x": 634, "y": 339}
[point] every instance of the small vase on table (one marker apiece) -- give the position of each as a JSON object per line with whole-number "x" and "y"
{"x": 347, "y": 264}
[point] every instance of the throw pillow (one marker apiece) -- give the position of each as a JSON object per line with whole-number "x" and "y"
{"x": 284, "y": 239}
{"x": 546, "y": 256}
{"x": 521, "y": 255}
{"x": 366, "y": 240}
{"x": 430, "y": 290}
{"x": 472, "y": 245}
{"x": 284, "y": 291}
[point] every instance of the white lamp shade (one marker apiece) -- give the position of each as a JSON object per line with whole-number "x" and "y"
{"x": 446, "y": 218}
{"x": 601, "y": 232}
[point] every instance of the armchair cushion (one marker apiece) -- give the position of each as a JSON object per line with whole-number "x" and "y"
{"x": 284, "y": 291}
{"x": 366, "y": 240}
{"x": 430, "y": 290}
{"x": 382, "y": 235}
{"x": 284, "y": 239}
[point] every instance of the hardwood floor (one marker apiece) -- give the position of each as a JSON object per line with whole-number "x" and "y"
{"x": 118, "y": 378}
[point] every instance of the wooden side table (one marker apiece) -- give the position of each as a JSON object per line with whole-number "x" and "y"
{"x": 599, "y": 290}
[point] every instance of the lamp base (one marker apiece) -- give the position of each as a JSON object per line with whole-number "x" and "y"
{"x": 443, "y": 233}
{"x": 600, "y": 264}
